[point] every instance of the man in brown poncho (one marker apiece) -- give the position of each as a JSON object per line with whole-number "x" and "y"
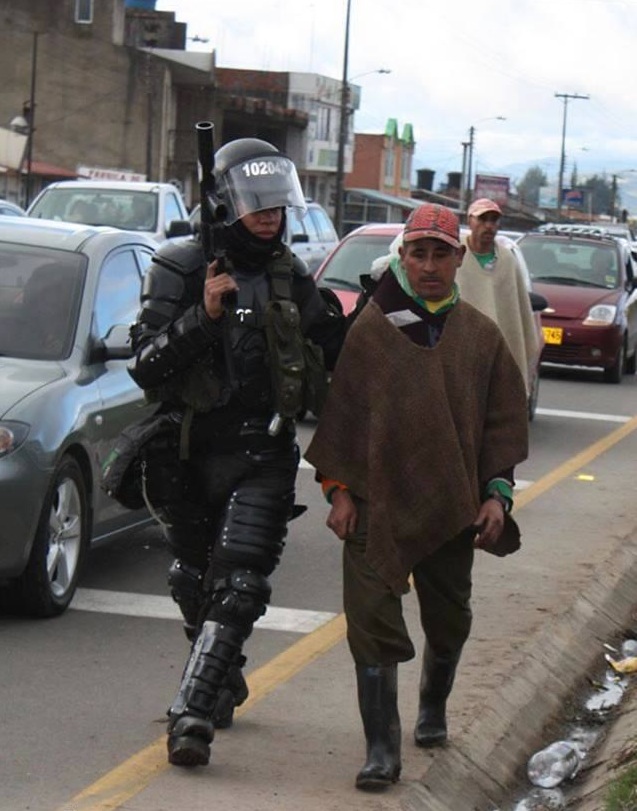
{"x": 416, "y": 448}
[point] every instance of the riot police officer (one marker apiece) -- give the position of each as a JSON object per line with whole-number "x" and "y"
{"x": 204, "y": 347}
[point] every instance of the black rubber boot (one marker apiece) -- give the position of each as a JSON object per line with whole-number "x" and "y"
{"x": 378, "y": 704}
{"x": 216, "y": 651}
{"x": 231, "y": 695}
{"x": 436, "y": 681}
{"x": 189, "y": 740}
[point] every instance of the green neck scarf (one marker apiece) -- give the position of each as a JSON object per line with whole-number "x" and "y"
{"x": 430, "y": 306}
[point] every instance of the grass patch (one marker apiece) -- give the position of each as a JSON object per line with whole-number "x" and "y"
{"x": 622, "y": 793}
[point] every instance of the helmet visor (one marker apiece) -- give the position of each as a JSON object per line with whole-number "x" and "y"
{"x": 260, "y": 183}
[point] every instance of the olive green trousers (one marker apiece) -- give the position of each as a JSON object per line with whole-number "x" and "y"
{"x": 376, "y": 629}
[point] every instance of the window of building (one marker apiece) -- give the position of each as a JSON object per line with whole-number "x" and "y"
{"x": 390, "y": 163}
{"x": 84, "y": 11}
{"x": 405, "y": 168}
{"x": 323, "y": 123}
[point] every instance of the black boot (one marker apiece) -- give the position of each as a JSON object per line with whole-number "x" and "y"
{"x": 378, "y": 703}
{"x": 436, "y": 682}
{"x": 189, "y": 739}
{"x": 191, "y": 724}
{"x": 232, "y": 694}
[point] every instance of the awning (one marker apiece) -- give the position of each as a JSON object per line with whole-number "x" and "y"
{"x": 45, "y": 169}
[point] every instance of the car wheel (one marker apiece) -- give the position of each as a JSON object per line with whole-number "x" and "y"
{"x": 614, "y": 373}
{"x": 533, "y": 395}
{"x": 630, "y": 366}
{"x": 48, "y": 583}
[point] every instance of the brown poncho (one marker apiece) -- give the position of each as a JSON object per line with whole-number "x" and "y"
{"x": 416, "y": 431}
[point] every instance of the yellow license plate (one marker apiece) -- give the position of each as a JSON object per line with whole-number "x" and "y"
{"x": 553, "y": 335}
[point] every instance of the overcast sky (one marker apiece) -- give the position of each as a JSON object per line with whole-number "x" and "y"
{"x": 454, "y": 65}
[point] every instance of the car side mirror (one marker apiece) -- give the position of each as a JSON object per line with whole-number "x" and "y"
{"x": 538, "y": 302}
{"x": 116, "y": 345}
{"x": 179, "y": 228}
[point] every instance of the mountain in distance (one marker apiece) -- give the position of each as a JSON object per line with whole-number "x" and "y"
{"x": 586, "y": 167}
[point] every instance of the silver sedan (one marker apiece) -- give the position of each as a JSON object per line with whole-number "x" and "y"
{"x": 67, "y": 295}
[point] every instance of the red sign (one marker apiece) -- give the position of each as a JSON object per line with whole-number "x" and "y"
{"x": 495, "y": 187}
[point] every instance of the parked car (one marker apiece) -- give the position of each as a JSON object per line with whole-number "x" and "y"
{"x": 311, "y": 236}
{"x": 9, "y": 209}
{"x": 353, "y": 257}
{"x": 68, "y": 294}
{"x": 147, "y": 208}
{"x": 588, "y": 278}
{"x": 355, "y": 254}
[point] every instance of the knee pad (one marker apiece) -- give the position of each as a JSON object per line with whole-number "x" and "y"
{"x": 186, "y": 587}
{"x": 253, "y": 530}
{"x": 240, "y": 599}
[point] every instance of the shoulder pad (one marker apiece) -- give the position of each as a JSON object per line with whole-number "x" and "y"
{"x": 299, "y": 268}
{"x": 184, "y": 256}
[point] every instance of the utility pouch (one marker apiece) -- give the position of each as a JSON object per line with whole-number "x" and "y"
{"x": 287, "y": 356}
{"x": 316, "y": 382}
{"x": 144, "y": 464}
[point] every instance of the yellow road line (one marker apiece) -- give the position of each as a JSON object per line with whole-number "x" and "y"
{"x": 131, "y": 777}
{"x": 573, "y": 464}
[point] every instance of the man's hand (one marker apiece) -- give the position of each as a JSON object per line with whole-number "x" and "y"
{"x": 489, "y": 523}
{"x": 343, "y": 515}
{"x": 215, "y": 288}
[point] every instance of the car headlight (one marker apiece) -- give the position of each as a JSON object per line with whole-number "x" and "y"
{"x": 12, "y": 435}
{"x": 601, "y": 314}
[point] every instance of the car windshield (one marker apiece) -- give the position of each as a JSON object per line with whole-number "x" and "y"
{"x": 128, "y": 210}
{"x": 40, "y": 293}
{"x": 352, "y": 259}
{"x": 571, "y": 262}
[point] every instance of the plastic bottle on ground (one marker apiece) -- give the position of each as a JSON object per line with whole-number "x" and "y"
{"x": 549, "y": 767}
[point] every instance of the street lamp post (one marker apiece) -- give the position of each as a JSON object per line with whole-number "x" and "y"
{"x": 342, "y": 132}
{"x": 465, "y": 182}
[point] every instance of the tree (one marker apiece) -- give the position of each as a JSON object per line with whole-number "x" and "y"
{"x": 601, "y": 191}
{"x": 529, "y": 187}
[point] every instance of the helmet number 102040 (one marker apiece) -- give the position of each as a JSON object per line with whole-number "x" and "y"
{"x": 261, "y": 168}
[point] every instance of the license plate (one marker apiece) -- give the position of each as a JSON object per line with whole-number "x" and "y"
{"x": 553, "y": 335}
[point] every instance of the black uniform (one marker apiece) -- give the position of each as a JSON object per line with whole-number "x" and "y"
{"x": 227, "y": 510}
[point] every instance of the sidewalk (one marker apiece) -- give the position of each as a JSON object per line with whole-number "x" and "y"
{"x": 541, "y": 618}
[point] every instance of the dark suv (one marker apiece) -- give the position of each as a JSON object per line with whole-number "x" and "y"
{"x": 588, "y": 278}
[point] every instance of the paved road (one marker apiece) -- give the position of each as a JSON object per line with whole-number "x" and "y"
{"x": 85, "y": 695}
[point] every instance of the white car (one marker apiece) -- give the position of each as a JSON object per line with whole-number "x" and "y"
{"x": 146, "y": 208}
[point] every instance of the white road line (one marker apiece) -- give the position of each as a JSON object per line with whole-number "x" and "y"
{"x": 581, "y": 415}
{"x": 155, "y": 606}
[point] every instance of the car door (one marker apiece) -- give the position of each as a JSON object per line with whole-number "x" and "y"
{"x": 173, "y": 210}
{"x": 116, "y": 303}
{"x": 303, "y": 239}
{"x": 630, "y": 273}
{"x": 327, "y": 236}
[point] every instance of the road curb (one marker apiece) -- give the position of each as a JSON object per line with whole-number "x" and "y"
{"x": 483, "y": 765}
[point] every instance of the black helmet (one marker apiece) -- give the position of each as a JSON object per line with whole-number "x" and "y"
{"x": 251, "y": 175}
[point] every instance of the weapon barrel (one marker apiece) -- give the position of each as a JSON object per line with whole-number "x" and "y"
{"x": 206, "y": 162}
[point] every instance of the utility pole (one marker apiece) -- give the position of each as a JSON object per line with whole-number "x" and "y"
{"x": 560, "y": 183}
{"x": 467, "y": 201}
{"x": 31, "y": 120}
{"x": 463, "y": 179}
{"x": 342, "y": 134}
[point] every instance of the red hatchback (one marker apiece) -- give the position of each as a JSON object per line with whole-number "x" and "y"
{"x": 353, "y": 257}
{"x": 588, "y": 279}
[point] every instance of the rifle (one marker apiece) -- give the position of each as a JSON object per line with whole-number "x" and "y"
{"x": 213, "y": 212}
